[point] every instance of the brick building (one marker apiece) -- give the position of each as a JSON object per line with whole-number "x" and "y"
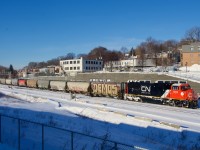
{"x": 190, "y": 54}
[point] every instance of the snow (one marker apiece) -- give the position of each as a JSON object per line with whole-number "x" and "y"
{"x": 146, "y": 126}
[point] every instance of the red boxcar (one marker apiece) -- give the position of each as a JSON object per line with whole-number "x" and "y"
{"x": 22, "y": 82}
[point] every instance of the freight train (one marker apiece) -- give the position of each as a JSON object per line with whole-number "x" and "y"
{"x": 173, "y": 93}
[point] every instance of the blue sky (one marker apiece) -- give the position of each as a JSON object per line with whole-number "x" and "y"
{"x": 39, "y": 30}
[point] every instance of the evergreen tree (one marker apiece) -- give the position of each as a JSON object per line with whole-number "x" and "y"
{"x": 11, "y": 69}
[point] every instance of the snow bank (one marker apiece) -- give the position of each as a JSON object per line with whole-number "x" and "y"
{"x": 194, "y": 67}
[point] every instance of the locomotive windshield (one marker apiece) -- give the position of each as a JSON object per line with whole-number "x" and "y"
{"x": 185, "y": 87}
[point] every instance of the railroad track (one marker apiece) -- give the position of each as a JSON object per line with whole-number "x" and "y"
{"x": 181, "y": 116}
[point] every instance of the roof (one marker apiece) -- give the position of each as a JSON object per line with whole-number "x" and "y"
{"x": 194, "y": 47}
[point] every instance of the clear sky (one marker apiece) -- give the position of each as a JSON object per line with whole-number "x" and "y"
{"x": 39, "y": 30}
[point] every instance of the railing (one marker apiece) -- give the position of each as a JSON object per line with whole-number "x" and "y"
{"x": 105, "y": 144}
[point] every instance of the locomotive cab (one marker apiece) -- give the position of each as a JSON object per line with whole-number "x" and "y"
{"x": 183, "y": 94}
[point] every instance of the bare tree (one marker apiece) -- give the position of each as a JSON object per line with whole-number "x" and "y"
{"x": 193, "y": 34}
{"x": 70, "y": 56}
{"x": 124, "y": 50}
{"x": 141, "y": 52}
{"x": 153, "y": 49}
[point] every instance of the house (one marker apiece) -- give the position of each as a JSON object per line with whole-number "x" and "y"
{"x": 128, "y": 64}
{"x": 190, "y": 54}
{"x": 54, "y": 69}
{"x": 81, "y": 65}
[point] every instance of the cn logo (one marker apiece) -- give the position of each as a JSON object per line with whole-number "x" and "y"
{"x": 145, "y": 89}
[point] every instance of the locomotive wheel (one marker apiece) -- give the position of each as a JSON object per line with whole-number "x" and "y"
{"x": 172, "y": 103}
{"x": 185, "y": 104}
{"x": 193, "y": 104}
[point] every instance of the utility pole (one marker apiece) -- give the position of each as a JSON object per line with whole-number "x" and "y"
{"x": 186, "y": 67}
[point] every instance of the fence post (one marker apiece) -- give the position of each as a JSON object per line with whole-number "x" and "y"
{"x": 115, "y": 146}
{"x": 72, "y": 141}
{"x": 19, "y": 134}
{"x": 42, "y": 137}
{"x": 0, "y": 128}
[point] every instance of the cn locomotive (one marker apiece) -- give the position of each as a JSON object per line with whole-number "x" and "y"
{"x": 173, "y": 93}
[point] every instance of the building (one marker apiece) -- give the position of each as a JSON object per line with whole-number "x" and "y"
{"x": 128, "y": 64}
{"x": 190, "y": 54}
{"x": 81, "y": 65}
{"x": 54, "y": 69}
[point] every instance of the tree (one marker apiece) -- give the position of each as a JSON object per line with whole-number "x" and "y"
{"x": 82, "y": 55}
{"x": 152, "y": 48}
{"x": 32, "y": 65}
{"x": 11, "y": 69}
{"x": 70, "y": 56}
{"x": 124, "y": 50}
{"x": 193, "y": 34}
{"x": 141, "y": 52}
{"x": 132, "y": 52}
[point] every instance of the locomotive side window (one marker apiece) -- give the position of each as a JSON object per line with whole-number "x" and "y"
{"x": 175, "y": 88}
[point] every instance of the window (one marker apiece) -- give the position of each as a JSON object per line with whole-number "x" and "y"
{"x": 66, "y": 68}
{"x": 70, "y": 62}
{"x": 67, "y": 62}
{"x": 70, "y": 68}
{"x": 78, "y": 62}
{"x": 78, "y": 68}
{"x": 192, "y": 48}
{"x": 74, "y": 61}
{"x": 199, "y": 48}
{"x": 175, "y": 88}
{"x": 74, "y": 68}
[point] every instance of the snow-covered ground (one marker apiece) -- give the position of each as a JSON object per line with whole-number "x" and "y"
{"x": 142, "y": 125}
{"x": 188, "y": 73}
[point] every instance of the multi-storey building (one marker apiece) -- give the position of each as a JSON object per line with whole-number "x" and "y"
{"x": 190, "y": 54}
{"x": 128, "y": 64}
{"x": 81, "y": 65}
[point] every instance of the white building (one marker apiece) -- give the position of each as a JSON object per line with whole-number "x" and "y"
{"x": 127, "y": 64}
{"x": 81, "y": 65}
